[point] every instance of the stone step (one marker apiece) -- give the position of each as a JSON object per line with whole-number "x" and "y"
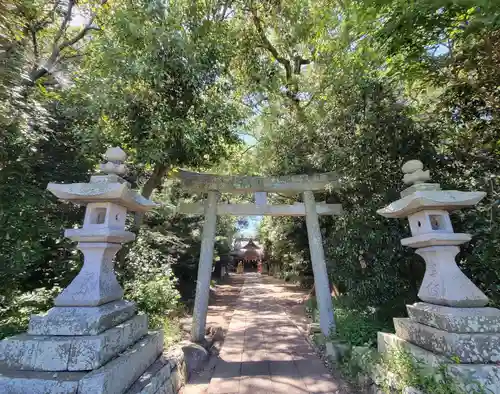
{"x": 64, "y": 353}
{"x": 388, "y": 343}
{"x": 34, "y": 382}
{"x": 119, "y": 374}
{"x": 470, "y": 348}
{"x": 84, "y": 320}
{"x": 472, "y": 377}
{"x": 460, "y": 320}
{"x": 115, "y": 377}
{"x": 154, "y": 379}
{"x": 477, "y": 378}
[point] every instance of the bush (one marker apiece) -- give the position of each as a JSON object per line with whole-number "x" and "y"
{"x": 155, "y": 295}
{"x": 358, "y": 328}
{"x": 15, "y": 314}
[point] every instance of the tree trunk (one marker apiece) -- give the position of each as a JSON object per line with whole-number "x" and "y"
{"x": 152, "y": 183}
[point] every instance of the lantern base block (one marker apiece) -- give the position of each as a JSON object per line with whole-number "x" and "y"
{"x": 114, "y": 377}
{"x": 460, "y": 320}
{"x": 469, "y": 348}
{"x": 76, "y": 353}
{"x": 468, "y": 376}
{"x": 81, "y": 320}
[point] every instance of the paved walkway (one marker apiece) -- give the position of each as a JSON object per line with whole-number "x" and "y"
{"x": 264, "y": 352}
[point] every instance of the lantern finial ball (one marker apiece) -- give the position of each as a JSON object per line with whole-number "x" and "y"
{"x": 414, "y": 173}
{"x": 115, "y": 157}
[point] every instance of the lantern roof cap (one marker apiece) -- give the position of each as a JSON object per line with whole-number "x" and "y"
{"x": 447, "y": 200}
{"x": 107, "y": 187}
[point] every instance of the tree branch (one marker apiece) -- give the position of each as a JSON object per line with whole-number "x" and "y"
{"x": 267, "y": 45}
{"x": 34, "y": 41}
{"x": 65, "y": 22}
{"x": 39, "y": 72}
{"x": 152, "y": 183}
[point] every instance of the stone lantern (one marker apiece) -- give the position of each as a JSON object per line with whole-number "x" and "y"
{"x": 91, "y": 341}
{"x": 452, "y": 323}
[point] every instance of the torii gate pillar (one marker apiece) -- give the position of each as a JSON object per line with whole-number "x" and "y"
{"x": 322, "y": 287}
{"x": 205, "y": 268}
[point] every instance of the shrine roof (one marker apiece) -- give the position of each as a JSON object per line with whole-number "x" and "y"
{"x": 200, "y": 182}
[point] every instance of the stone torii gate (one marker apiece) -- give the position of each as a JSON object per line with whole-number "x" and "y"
{"x": 213, "y": 185}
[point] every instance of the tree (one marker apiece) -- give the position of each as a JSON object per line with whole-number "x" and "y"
{"x": 156, "y": 82}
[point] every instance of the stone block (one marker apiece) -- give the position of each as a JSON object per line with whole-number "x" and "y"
{"x": 81, "y": 353}
{"x": 30, "y": 382}
{"x": 154, "y": 379}
{"x": 81, "y": 320}
{"x": 120, "y": 373}
{"x": 477, "y": 348}
{"x": 460, "y": 320}
{"x": 336, "y": 350}
{"x": 177, "y": 379}
{"x": 35, "y": 353}
{"x": 390, "y": 342}
{"x": 314, "y": 328}
{"x": 91, "y": 352}
{"x": 194, "y": 356}
{"x": 412, "y": 390}
{"x": 477, "y": 378}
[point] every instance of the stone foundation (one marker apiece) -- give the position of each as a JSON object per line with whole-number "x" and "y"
{"x": 466, "y": 340}
{"x": 124, "y": 358}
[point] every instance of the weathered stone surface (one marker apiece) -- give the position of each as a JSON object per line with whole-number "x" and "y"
{"x": 322, "y": 286}
{"x": 81, "y": 353}
{"x": 296, "y": 209}
{"x": 35, "y": 353}
{"x": 420, "y": 187}
{"x": 389, "y": 342}
{"x": 337, "y": 350}
{"x": 154, "y": 378}
{"x": 89, "y": 353}
{"x": 430, "y": 199}
{"x": 177, "y": 378}
{"x": 194, "y": 356}
{"x": 475, "y": 376}
{"x": 460, "y": 320}
{"x": 469, "y": 348}
{"x": 119, "y": 374}
{"x": 444, "y": 283}
{"x": 205, "y": 268}
{"x": 314, "y": 328}
{"x": 119, "y": 193}
{"x": 200, "y": 182}
{"x": 81, "y": 320}
{"x": 96, "y": 283}
{"x": 29, "y": 382}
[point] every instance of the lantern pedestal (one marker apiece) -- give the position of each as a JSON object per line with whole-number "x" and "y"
{"x": 452, "y": 326}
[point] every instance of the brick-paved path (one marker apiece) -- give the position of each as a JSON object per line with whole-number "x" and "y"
{"x": 264, "y": 352}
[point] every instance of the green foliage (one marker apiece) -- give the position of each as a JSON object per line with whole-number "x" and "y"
{"x": 405, "y": 371}
{"x": 396, "y": 370}
{"x": 155, "y": 295}
{"x": 15, "y": 311}
{"x": 354, "y": 87}
{"x": 358, "y": 328}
